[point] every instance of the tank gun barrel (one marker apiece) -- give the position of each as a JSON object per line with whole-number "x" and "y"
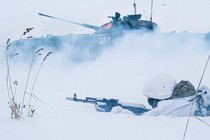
{"x": 72, "y": 22}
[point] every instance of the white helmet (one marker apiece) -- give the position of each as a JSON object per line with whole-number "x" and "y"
{"x": 160, "y": 87}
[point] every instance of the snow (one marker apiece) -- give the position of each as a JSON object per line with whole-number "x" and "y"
{"x": 118, "y": 73}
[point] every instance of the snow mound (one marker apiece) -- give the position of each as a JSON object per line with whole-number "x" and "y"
{"x": 119, "y": 110}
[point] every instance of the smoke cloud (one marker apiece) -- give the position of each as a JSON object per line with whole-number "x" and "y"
{"x": 118, "y": 71}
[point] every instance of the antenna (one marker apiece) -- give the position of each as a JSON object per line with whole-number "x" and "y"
{"x": 134, "y": 6}
{"x": 151, "y": 10}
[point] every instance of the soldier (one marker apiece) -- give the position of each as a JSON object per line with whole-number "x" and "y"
{"x": 115, "y": 18}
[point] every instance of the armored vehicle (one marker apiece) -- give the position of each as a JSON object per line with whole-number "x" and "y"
{"x": 118, "y": 26}
{"x": 103, "y": 36}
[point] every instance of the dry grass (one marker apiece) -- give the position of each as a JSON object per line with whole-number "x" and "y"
{"x": 15, "y": 106}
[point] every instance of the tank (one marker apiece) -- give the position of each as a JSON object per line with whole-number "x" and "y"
{"x": 108, "y": 32}
{"x": 104, "y": 36}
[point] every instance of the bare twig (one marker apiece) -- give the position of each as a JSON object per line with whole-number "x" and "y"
{"x": 17, "y": 109}
{"x": 202, "y": 121}
{"x": 7, "y": 62}
{"x": 27, "y": 80}
{"x": 35, "y": 97}
{"x": 25, "y": 32}
{"x": 193, "y": 101}
{"x": 36, "y": 80}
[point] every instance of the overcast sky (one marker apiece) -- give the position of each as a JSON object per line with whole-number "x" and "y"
{"x": 170, "y": 15}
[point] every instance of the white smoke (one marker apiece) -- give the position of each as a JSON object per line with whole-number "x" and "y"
{"x": 119, "y": 71}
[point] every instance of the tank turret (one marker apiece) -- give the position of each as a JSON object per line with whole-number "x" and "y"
{"x": 128, "y": 23}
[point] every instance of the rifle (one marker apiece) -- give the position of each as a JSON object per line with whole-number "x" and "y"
{"x": 106, "y": 105}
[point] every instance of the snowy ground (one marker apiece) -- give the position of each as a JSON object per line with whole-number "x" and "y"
{"x": 118, "y": 73}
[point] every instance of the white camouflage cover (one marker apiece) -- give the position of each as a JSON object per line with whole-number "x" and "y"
{"x": 180, "y": 107}
{"x": 160, "y": 87}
